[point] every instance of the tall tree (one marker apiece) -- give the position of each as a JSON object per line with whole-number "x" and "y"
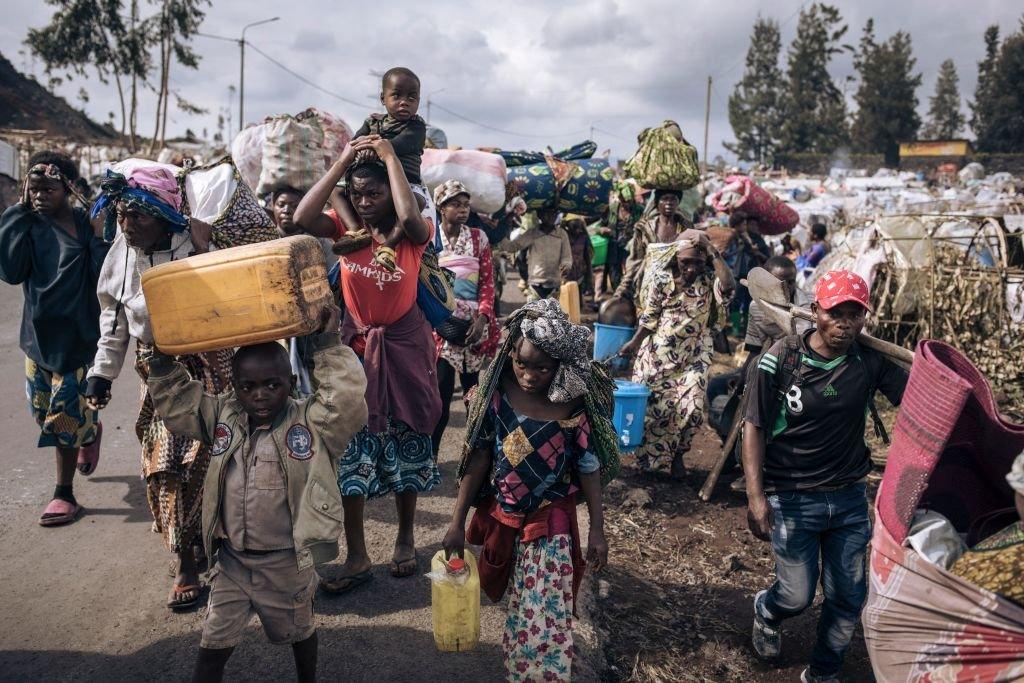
{"x": 983, "y": 105}
{"x": 887, "y": 95}
{"x": 814, "y": 111}
{"x": 754, "y": 105}
{"x": 174, "y": 27}
{"x": 83, "y": 34}
{"x": 1000, "y": 127}
{"x": 945, "y": 120}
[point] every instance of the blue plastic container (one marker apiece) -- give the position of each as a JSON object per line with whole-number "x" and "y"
{"x": 630, "y": 409}
{"x": 608, "y": 339}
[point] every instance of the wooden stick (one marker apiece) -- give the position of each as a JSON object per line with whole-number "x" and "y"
{"x": 730, "y": 444}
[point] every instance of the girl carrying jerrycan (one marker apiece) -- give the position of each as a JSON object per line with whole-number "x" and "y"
{"x": 539, "y": 433}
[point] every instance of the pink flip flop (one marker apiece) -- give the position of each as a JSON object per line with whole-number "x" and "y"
{"x": 60, "y": 512}
{"x": 89, "y": 455}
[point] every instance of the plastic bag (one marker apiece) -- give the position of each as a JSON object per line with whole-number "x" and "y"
{"x": 482, "y": 173}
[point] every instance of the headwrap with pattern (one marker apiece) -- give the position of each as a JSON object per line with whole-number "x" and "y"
{"x": 449, "y": 189}
{"x": 548, "y": 328}
{"x": 152, "y": 191}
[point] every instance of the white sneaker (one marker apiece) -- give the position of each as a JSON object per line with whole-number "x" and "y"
{"x": 767, "y": 641}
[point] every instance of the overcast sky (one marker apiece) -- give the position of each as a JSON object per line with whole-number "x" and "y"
{"x": 543, "y": 73}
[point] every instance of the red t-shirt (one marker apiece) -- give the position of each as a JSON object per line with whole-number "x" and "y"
{"x": 372, "y": 294}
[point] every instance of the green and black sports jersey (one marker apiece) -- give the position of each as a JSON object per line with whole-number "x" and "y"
{"x": 817, "y": 436}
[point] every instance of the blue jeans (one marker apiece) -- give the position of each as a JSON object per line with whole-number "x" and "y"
{"x": 835, "y": 526}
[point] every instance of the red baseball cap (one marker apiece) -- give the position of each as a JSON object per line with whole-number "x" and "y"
{"x": 838, "y": 286}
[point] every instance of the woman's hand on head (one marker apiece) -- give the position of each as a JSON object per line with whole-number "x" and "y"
{"x": 378, "y": 144}
{"x": 348, "y": 155}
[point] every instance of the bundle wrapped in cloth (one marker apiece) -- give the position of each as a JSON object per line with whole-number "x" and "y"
{"x": 664, "y": 159}
{"x": 483, "y": 174}
{"x": 582, "y": 186}
{"x": 742, "y": 195}
{"x": 289, "y": 151}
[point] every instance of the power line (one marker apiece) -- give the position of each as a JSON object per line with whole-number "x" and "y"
{"x": 304, "y": 79}
{"x": 502, "y": 130}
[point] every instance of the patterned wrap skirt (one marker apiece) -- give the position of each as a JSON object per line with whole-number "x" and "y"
{"x": 174, "y": 467}
{"x": 395, "y": 460}
{"x": 57, "y": 402}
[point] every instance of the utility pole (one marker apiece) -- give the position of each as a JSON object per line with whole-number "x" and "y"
{"x": 428, "y": 101}
{"x": 241, "y": 75}
{"x": 707, "y": 121}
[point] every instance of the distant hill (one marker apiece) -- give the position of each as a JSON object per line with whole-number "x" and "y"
{"x": 26, "y": 104}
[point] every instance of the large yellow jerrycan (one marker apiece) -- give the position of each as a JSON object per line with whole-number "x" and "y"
{"x": 569, "y": 299}
{"x": 237, "y": 297}
{"x": 455, "y": 598}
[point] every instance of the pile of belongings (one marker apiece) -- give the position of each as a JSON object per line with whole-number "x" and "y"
{"x": 215, "y": 194}
{"x": 289, "y": 151}
{"x": 571, "y": 180}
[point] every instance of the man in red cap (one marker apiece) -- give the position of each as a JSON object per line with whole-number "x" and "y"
{"x": 806, "y": 465}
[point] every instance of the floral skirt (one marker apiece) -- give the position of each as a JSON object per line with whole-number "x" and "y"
{"x": 537, "y": 642}
{"x": 395, "y": 460}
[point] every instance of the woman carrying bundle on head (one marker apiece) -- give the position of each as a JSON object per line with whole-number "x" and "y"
{"x": 539, "y": 433}
{"x": 688, "y": 284}
{"x": 145, "y": 206}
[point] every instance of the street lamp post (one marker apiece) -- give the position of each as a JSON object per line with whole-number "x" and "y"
{"x": 241, "y": 76}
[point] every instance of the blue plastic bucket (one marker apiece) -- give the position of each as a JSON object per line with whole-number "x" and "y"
{"x": 608, "y": 339}
{"x": 630, "y": 409}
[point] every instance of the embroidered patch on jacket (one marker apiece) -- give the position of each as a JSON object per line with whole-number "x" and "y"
{"x": 221, "y": 438}
{"x": 299, "y": 442}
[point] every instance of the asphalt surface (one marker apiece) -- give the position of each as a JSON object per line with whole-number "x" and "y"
{"x": 86, "y": 602}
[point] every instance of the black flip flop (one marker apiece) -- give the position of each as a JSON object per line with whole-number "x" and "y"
{"x": 354, "y": 581}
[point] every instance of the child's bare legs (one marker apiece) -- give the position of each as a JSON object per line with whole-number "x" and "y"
{"x": 210, "y": 664}
{"x": 304, "y": 652}
{"x": 403, "y": 562}
{"x": 386, "y": 257}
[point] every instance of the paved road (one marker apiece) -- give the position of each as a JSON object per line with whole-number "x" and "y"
{"x": 86, "y": 602}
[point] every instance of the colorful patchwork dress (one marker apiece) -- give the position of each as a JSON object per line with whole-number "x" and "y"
{"x": 535, "y": 473}
{"x": 673, "y": 362}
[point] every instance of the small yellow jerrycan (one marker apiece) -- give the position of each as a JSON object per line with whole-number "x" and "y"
{"x": 455, "y": 598}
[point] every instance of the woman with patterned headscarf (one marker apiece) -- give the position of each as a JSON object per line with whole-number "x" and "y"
{"x": 143, "y": 209}
{"x": 686, "y": 287}
{"x": 538, "y": 434}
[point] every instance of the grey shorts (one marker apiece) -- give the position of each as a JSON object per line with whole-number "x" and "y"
{"x": 268, "y": 585}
